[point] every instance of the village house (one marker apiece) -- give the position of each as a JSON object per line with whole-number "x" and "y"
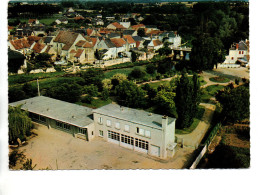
{"x": 238, "y": 51}
{"x": 107, "y": 49}
{"x": 61, "y": 21}
{"x": 33, "y": 22}
{"x": 115, "y": 26}
{"x": 121, "y": 46}
{"x": 137, "y": 130}
{"x": 131, "y": 42}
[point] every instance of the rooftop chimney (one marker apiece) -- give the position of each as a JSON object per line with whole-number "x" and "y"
{"x": 237, "y": 46}
{"x": 164, "y": 122}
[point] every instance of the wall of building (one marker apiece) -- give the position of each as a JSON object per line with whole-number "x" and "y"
{"x": 156, "y": 138}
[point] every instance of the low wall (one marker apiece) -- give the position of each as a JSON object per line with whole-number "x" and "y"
{"x": 228, "y": 66}
{"x": 199, "y": 157}
{"x": 112, "y": 62}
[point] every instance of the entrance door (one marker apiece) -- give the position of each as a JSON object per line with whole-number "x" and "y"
{"x": 155, "y": 150}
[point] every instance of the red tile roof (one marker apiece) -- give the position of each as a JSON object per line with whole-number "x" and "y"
{"x": 32, "y": 39}
{"x": 138, "y": 43}
{"x": 157, "y": 42}
{"x": 10, "y": 27}
{"x": 37, "y": 48}
{"x": 129, "y": 39}
{"x": 79, "y": 18}
{"x": 89, "y": 31}
{"x": 30, "y": 21}
{"x": 118, "y": 42}
{"x": 94, "y": 41}
{"x": 80, "y": 43}
{"x": 136, "y": 27}
{"x": 118, "y": 26}
{"x": 20, "y": 43}
{"x": 79, "y": 52}
{"x": 87, "y": 45}
{"x": 67, "y": 38}
{"x": 73, "y": 51}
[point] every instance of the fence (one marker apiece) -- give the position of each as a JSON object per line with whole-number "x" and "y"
{"x": 211, "y": 136}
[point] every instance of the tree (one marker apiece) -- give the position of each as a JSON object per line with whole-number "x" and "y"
{"x": 105, "y": 94}
{"x": 129, "y": 94}
{"x": 19, "y": 123}
{"x": 28, "y": 165}
{"x": 195, "y": 93}
{"x": 133, "y": 56}
{"x": 206, "y": 52}
{"x": 117, "y": 78}
{"x": 165, "y": 66}
{"x": 184, "y": 102}
{"x": 150, "y": 68}
{"x": 29, "y": 90}
{"x": 93, "y": 76}
{"x": 165, "y": 103}
{"x": 136, "y": 73}
{"x": 235, "y": 103}
{"x": 106, "y": 83}
{"x": 15, "y": 61}
{"x": 69, "y": 92}
{"x": 91, "y": 90}
{"x": 141, "y": 32}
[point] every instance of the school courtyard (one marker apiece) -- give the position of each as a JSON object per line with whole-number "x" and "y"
{"x": 58, "y": 150}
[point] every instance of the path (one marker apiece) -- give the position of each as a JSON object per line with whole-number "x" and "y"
{"x": 193, "y": 139}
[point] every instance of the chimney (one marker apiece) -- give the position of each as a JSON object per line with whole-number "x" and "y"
{"x": 164, "y": 122}
{"x": 237, "y": 46}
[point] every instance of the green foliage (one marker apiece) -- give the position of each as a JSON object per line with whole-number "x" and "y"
{"x": 15, "y": 61}
{"x": 165, "y": 103}
{"x": 133, "y": 56}
{"x": 93, "y": 76}
{"x": 164, "y": 66}
{"x": 141, "y": 32}
{"x": 105, "y": 94}
{"x": 14, "y": 157}
{"x": 137, "y": 73}
{"x": 165, "y": 51}
{"x": 91, "y": 90}
{"x": 235, "y": 103}
{"x": 28, "y": 165}
{"x": 129, "y": 94}
{"x": 219, "y": 79}
{"x": 19, "y": 123}
{"x": 69, "y": 92}
{"x": 15, "y": 94}
{"x": 150, "y": 68}
{"x": 187, "y": 99}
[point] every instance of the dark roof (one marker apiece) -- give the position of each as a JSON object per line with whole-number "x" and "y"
{"x": 47, "y": 39}
{"x": 109, "y": 43}
{"x": 113, "y": 35}
{"x": 138, "y": 38}
{"x": 241, "y": 46}
{"x": 128, "y": 32}
{"x": 150, "y": 26}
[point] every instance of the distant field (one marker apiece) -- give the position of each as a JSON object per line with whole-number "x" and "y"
{"x": 126, "y": 71}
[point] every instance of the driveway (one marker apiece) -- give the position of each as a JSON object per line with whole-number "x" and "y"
{"x": 194, "y": 138}
{"x": 58, "y": 150}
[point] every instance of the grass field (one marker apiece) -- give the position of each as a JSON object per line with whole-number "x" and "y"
{"x": 195, "y": 123}
{"x": 157, "y": 84}
{"x": 210, "y": 92}
{"x": 23, "y": 78}
{"x": 126, "y": 71}
{"x": 219, "y": 79}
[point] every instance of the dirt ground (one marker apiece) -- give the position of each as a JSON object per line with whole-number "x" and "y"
{"x": 233, "y": 139}
{"x": 58, "y": 150}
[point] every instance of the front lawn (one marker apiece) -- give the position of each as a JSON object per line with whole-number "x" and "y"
{"x": 195, "y": 123}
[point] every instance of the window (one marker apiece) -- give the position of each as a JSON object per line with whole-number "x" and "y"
{"x": 43, "y": 119}
{"x": 113, "y": 135}
{"x": 117, "y": 125}
{"x": 232, "y": 58}
{"x": 137, "y": 130}
{"x": 83, "y": 131}
{"x": 109, "y": 123}
{"x": 100, "y": 121}
{"x": 59, "y": 124}
{"x": 127, "y": 139}
{"x": 101, "y": 133}
{"x": 242, "y": 52}
{"x": 66, "y": 126}
{"x": 141, "y": 131}
{"x": 239, "y": 52}
{"x": 92, "y": 133}
{"x": 147, "y": 134}
{"x": 141, "y": 144}
{"x": 127, "y": 128}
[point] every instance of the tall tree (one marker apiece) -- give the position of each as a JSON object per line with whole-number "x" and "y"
{"x": 19, "y": 123}
{"x": 184, "y": 102}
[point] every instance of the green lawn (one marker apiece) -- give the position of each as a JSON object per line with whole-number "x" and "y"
{"x": 23, "y": 78}
{"x": 157, "y": 84}
{"x": 195, "y": 123}
{"x": 219, "y": 79}
{"x": 126, "y": 71}
{"x": 96, "y": 103}
{"x": 209, "y": 92}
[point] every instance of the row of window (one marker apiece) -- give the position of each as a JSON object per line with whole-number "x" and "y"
{"x": 139, "y": 131}
{"x": 117, "y": 124}
{"x": 128, "y": 140}
{"x": 63, "y": 125}
{"x": 37, "y": 117}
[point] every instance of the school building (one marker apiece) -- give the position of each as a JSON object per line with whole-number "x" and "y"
{"x": 134, "y": 129}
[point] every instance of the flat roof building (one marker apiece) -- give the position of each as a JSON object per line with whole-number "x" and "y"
{"x": 138, "y": 130}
